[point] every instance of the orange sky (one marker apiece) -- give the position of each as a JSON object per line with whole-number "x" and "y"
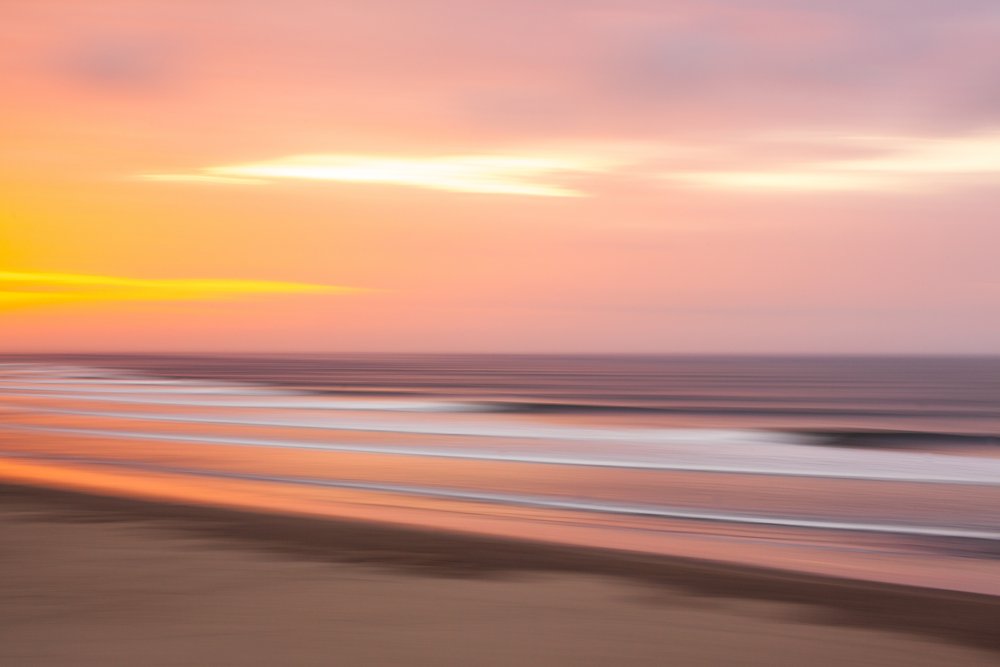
{"x": 628, "y": 176}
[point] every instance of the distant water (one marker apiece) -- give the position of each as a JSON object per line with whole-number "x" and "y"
{"x": 878, "y": 468}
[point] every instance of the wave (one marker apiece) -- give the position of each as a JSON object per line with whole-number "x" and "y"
{"x": 543, "y": 502}
{"x": 243, "y": 399}
{"x": 119, "y": 386}
{"x": 899, "y": 438}
{"x": 111, "y": 392}
{"x": 858, "y": 410}
{"x": 467, "y": 429}
{"x": 766, "y": 458}
{"x": 69, "y": 383}
{"x": 295, "y": 400}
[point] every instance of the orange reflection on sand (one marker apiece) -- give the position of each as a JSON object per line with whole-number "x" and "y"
{"x": 762, "y": 547}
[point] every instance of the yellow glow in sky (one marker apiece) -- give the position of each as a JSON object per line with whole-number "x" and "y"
{"x": 22, "y": 288}
{"x": 485, "y": 174}
{"x": 199, "y": 178}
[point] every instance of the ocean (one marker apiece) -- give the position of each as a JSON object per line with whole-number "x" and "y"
{"x": 877, "y": 468}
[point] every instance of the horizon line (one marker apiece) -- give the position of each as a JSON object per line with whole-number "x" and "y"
{"x": 334, "y": 353}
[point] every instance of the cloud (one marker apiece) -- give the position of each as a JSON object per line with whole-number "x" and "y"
{"x": 899, "y": 164}
{"x": 976, "y": 154}
{"x": 538, "y": 176}
{"x": 775, "y": 162}
{"x": 23, "y": 288}
{"x": 791, "y": 162}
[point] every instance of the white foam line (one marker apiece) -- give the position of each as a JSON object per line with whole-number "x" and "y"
{"x": 114, "y": 381}
{"x": 43, "y": 374}
{"x": 96, "y": 394}
{"x": 969, "y": 479}
{"x": 533, "y": 432}
{"x": 549, "y": 503}
{"x": 280, "y": 401}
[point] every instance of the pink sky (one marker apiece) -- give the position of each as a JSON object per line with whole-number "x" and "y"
{"x": 562, "y": 176}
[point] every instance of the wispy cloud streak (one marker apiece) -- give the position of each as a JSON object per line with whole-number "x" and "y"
{"x": 538, "y": 176}
{"x": 889, "y": 164}
{"x": 897, "y": 164}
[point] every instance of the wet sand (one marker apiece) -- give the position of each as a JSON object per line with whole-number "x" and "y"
{"x": 90, "y": 581}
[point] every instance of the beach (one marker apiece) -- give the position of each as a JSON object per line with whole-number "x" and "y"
{"x": 96, "y": 580}
{"x": 166, "y": 511}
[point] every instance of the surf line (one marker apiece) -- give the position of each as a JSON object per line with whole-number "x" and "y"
{"x": 538, "y": 502}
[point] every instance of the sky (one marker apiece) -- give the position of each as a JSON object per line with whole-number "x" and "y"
{"x": 619, "y": 176}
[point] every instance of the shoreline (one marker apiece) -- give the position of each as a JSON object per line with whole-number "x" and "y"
{"x": 959, "y": 618}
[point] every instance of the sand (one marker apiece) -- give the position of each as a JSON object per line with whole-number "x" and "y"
{"x": 90, "y": 581}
